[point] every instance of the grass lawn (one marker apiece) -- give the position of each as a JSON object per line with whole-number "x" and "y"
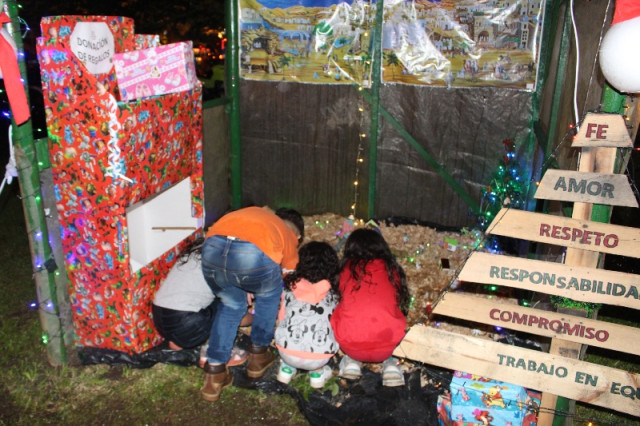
{"x": 32, "y": 392}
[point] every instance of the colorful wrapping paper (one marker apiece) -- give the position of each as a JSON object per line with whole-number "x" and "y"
{"x": 445, "y": 416}
{"x": 479, "y": 400}
{"x": 106, "y": 156}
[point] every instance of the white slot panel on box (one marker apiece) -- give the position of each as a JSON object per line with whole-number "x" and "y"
{"x": 159, "y": 223}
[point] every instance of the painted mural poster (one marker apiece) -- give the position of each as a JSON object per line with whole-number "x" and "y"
{"x": 450, "y": 43}
{"x": 311, "y": 41}
{"x": 462, "y": 43}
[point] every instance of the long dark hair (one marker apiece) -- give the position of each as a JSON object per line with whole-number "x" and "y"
{"x": 317, "y": 261}
{"x": 365, "y": 245}
{"x": 194, "y": 248}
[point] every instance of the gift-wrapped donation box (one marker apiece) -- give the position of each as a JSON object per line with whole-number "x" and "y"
{"x": 127, "y": 171}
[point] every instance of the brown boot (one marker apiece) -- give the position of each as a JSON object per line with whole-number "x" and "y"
{"x": 216, "y": 378}
{"x": 260, "y": 358}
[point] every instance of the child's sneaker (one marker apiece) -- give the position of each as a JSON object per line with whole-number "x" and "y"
{"x": 319, "y": 377}
{"x": 285, "y": 373}
{"x": 392, "y": 374}
{"x": 350, "y": 368}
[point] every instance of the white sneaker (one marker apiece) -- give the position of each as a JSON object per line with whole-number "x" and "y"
{"x": 285, "y": 373}
{"x": 319, "y": 377}
{"x": 350, "y": 368}
{"x": 392, "y": 374}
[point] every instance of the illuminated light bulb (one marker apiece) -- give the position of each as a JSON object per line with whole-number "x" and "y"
{"x": 361, "y": 109}
{"x": 360, "y": 160}
{"x": 355, "y": 183}
{"x": 363, "y": 135}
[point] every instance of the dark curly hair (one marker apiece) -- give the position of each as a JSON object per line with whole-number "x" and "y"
{"x": 194, "y": 248}
{"x": 292, "y": 216}
{"x": 317, "y": 261}
{"x": 365, "y": 245}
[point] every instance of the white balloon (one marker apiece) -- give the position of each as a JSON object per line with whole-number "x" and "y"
{"x": 619, "y": 58}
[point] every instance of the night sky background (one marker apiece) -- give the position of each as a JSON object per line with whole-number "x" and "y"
{"x": 178, "y": 20}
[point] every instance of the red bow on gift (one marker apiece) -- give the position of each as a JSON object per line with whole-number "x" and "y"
{"x": 12, "y": 80}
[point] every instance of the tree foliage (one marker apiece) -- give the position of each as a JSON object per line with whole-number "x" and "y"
{"x": 177, "y": 20}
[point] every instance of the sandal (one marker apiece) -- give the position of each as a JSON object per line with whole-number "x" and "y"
{"x": 238, "y": 357}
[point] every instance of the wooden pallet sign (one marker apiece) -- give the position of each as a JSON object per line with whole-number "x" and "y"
{"x": 577, "y": 380}
{"x": 558, "y": 372}
{"x": 575, "y": 233}
{"x": 597, "y": 188}
{"x": 542, "y": 323}
{"x": 603, "y": 130}
{"x": 574, "y": 282}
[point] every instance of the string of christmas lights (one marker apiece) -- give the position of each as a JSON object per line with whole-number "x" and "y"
{"x": 45, "y": 270}
{"x": 359, "y": 157}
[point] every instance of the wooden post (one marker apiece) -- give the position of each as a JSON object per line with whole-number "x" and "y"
{"x": 597, "y": 159}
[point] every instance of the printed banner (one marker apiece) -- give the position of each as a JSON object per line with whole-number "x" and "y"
{"x": 312, "y": 41}
{"x": 468, "y": 43}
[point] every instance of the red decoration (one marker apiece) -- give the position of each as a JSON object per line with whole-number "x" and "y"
{"x": 12, "y": 79}
{"x": 105, "y": 157}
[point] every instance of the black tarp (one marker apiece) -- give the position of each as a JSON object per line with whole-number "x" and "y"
{"x": 300, "y": 144}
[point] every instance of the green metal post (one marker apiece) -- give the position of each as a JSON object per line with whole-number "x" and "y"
{"x": 612, "y": 102}
{"x": 38, "y": 235}
{"x": 232, "y": 80}
{"x": 375, "y": 107}
{"x": 563, "y": 58}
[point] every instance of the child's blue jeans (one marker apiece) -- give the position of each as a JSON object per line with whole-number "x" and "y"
{"x": 233, "y": 268}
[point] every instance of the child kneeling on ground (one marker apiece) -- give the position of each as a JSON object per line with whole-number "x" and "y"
{"x": 369, "y": 322}
{"x": 304, "y": 337}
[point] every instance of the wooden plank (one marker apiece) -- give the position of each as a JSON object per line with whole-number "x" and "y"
{"x": 592, "y": 160}
{"x": 575, "y": 282}
{"x": 582, "y": 381}
{"x": 581, "y": 330}
{"x": 603, "y": 130}
{"x": 600, "y": 188}
{"x": 575, "y": 233}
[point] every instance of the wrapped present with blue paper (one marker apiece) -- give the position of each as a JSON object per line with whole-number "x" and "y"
{"x": 485, "y": 401}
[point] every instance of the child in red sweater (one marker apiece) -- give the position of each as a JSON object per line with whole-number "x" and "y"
{"x": 369, "y": 321}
